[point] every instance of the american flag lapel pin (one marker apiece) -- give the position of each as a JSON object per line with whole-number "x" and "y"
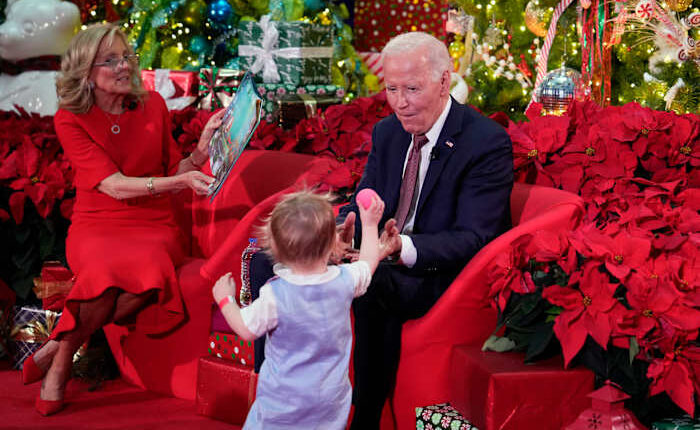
{"x": 449, "y": 143}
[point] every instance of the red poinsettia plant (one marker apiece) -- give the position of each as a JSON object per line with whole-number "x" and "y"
{"x": 621, "y": 292}
{"x": 35, "y": 197}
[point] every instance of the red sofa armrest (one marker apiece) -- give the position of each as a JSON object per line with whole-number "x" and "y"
{"x": 463, "y": 314}
{"x": 534, "y": 208}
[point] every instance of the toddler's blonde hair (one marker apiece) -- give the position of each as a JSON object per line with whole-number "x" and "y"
{"x": 300, "y": 229}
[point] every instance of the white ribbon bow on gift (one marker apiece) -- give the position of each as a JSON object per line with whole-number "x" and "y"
{"x": 265, "y": 55}
{"x": 166, "y": 88}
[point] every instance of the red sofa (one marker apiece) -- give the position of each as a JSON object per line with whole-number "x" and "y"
{"x": 220, "y": 232}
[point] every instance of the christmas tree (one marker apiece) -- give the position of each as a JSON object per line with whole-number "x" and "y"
{"x": 641, "y": 51}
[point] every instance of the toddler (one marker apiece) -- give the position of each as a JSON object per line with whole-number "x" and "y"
{"x": 305, "y": 312}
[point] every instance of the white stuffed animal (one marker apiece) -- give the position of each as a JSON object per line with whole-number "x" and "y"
{"x": 34, "y": 28}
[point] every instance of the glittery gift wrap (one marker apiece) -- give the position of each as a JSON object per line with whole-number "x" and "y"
{"x": 225, "y": 390}
{"x": 310, "y": 63}
{"x": 273, "y": 93}
{"x": 682, "y": 423}
{"x": 30, "y": 328}
{"x": 230, "y": 346}
{"x": 217, "y": 87}
{"x": 442, "y": 416}
{"x": 377, "y": 21}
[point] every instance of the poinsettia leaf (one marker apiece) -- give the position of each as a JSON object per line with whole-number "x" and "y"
{"x": 539, "y": 277}
{"x": 634, "y": 348}
{"x": 679, "y": 387}
{"x": 539, "y": 342}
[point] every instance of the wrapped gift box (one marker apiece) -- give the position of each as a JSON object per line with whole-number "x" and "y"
{"x": 293, "y": 108}
{"x": 442, "y": 416}
{"x": 179, "y": 88}
{"x": 225, "y": 390}
{"x": 217, "y": 87}
{"x": 272, "y": 94}
{"x": 290, "y": 52}
{"x": 498, "y": 391}
{"x": 53, "y": 285}
{"x": 30, "y": 328}
{"x": 229, "y": 346}
{"x": 682, "y": 423}
{"x": 377, "y": 21}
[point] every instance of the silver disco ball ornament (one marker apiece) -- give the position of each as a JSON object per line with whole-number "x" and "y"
{"x": 558, "y": 89}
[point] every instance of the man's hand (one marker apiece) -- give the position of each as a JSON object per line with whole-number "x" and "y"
{"x": 343, "y": 239}
{"x": 390, "y": 241}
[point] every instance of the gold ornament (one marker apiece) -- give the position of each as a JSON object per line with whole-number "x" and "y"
{"x": 194, "y": 12}
{"x": 456, "y": 49}
{"x": 372, "y": 83}
{"x": 536, "y": 18}
{"x": 679, "y": 5}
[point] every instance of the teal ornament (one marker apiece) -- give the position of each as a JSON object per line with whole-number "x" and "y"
{"x": 199, "y": 45}
{"x": 219, "y": 11}
{"x": 313, "y": 5}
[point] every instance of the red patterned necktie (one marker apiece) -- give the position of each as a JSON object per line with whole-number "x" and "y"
{"x": 408, "y": 194}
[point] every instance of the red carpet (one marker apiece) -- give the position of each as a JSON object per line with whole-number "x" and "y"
{"x": 116, "y": 405}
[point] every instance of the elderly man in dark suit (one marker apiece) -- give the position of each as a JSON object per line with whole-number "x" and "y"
{"x": 445, "y": 173}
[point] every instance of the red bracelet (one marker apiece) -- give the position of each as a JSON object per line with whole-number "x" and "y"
{"x": 225, "y": 301}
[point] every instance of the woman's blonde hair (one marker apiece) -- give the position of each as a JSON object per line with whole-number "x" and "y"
{"x": 72, "y": 85}
{"x": 300, "y": 229}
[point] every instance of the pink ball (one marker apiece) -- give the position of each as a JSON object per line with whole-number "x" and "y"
{"x": 365, "y": 196}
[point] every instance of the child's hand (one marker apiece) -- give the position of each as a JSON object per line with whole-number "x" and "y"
{"x": 225, "y": 286}
{"x": 372, "y": 214}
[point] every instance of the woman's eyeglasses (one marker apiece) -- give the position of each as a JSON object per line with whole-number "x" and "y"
{"x": 113, "y": 63}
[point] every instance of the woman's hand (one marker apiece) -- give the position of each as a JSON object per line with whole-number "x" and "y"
{"x": 209, "y": 129}
{"x": 197, "y": 181}
{"x": 225, "y": 286}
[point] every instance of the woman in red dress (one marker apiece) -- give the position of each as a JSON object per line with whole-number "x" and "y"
{"x": 123, "y": 243}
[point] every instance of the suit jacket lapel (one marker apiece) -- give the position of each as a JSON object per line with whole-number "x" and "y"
{"x": 453, "y": 125}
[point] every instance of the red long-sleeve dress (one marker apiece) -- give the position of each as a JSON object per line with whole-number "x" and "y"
{"x": 133, "y": 244}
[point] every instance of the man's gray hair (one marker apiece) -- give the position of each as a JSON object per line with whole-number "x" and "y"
{"x": 407, "y": 44}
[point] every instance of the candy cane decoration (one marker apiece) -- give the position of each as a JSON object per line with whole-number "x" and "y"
{"x": 544, "y": 53}
{"x": 693, "y": 20}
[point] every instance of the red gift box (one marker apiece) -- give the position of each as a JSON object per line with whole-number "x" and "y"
{"x": 225, "y": 390}
{"x": 231, "y": 347}
{"x": 186, "y": 83}
{"x": 377, "y": 21}
{"x": 496, "y": 390}
{"x": 53, "y": 285}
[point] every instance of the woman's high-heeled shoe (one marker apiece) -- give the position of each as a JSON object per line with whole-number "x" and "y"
{"x": 48, "y": 407}
{"x": 30, "y": 371}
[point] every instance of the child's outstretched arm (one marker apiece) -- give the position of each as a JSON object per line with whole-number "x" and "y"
{"x": 370, "y": 217}
{"x": 223, "y": 292}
